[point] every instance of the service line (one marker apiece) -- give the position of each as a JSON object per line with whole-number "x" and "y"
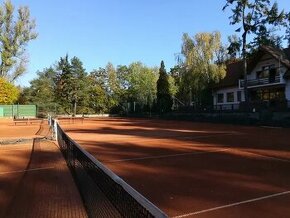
{"x": 169, "y": 155}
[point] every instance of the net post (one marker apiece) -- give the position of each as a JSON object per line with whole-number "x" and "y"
{"x": 55, "y": 130}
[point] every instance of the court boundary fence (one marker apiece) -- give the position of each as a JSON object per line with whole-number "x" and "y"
{"x": 103, "y": 192}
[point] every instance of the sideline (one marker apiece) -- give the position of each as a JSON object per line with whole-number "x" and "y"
{"x": 28, "y": 170}
{"x": 233, "y": 204}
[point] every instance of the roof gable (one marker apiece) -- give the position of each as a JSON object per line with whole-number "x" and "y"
{"x": 281, "y": 55}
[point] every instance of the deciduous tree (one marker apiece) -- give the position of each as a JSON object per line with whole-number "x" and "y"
{"x": 8, "y": 92}
{"x": 142, "y": 83}
{"x": 41, "y": 91}
{"x": 199, "y": 56}
{"x": 14, "y": 36}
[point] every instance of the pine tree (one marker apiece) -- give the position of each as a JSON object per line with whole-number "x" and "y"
{"x": 164, "y": 99}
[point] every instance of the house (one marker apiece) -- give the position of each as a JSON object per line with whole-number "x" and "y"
{"x": 268, "y": 82}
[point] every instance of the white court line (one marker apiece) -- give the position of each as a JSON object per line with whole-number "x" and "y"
{"x": 28, "y": 170}
{"x": 165, "y": 156}
{"x": 204, "y": 136}
{"x": 175, "y": 155}
{"x": 265, "y": 156}
{"x": 272, "y": 127}
{"x": 234, "y": 204}
{"x": 132, "y": 139}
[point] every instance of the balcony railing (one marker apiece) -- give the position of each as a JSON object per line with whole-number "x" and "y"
{"x": 261, "y": 82}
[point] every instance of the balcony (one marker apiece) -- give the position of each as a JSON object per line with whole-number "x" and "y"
{"x": 252, "y": 83}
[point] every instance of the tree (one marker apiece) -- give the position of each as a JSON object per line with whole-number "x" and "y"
{"x": 113, "y": 88}
{"x": 79, "y": 80}
{"x": 41, "y": 92}
{"x": 255, "y": 17}
{"x": 141, "y": 84}
{"x": 234, "y": 47}
{"x": 199, "y": 56}
{"x": 8, "y": 92}
{"x": 70, "y": 82}
{"x": 14, "y": 36}
{"x": 164, "y": 99}
{"x": 98, "y": 90}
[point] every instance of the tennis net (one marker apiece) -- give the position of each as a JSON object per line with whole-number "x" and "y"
{"x": 104, "y": 193}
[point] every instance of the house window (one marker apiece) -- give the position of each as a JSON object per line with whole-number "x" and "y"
{"x": 269, "y": 94}
{"x": 230, "y": 97}
{"x": 266, "y": 72}
{"x": 220, "y": 98}
{"x": 239, "y": 96}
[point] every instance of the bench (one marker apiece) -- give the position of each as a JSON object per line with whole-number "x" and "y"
{"x": 27, "y": 121}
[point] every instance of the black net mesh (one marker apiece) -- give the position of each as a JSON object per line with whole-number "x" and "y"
{"x": 104, "y": 194}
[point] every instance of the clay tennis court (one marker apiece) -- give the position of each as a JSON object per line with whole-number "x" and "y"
{"x": 34, "y": 179}
{"x": 195, "y": 169}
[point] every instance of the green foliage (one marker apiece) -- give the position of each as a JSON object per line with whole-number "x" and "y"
{"x": 173, "y": 88}
{"x": 41, "y": 92}
{"x": 14, "y": 36}
{"x": 234, "y": 47}
{"x": 260, "y": 18}
{"x": 141, "y": 84}
{"x": 67, "y": 87}
{"x": 98, "y": 86}
{"x": 164, "y": 99}
{"x": 114, "y": 87}
{"x": 97, "y": 101}
{"x": 70, "y": 82}
{"x": 8, "y": 92}
{"x": 199, "y": 56}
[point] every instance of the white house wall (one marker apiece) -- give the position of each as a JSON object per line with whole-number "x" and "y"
{"x": 225, "y": 91}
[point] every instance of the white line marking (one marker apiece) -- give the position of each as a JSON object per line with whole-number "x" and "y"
{"x": 165, "y": 156}
{"x": 134, "y": 140}
{"x": 234, "y": 204}
{"x": 272, "y": 127}
{"x": 262, "y": 155}
{"x": 28, "y": 170}
{"x": 203, "y": 136}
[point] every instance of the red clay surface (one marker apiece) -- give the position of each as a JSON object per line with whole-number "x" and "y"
{"x": 34, "y": 178}
{"x": 195, "y": 169}
{"x": 10, "y": 131}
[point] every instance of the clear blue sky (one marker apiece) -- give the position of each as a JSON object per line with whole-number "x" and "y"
{"x": 119, "y": 31}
